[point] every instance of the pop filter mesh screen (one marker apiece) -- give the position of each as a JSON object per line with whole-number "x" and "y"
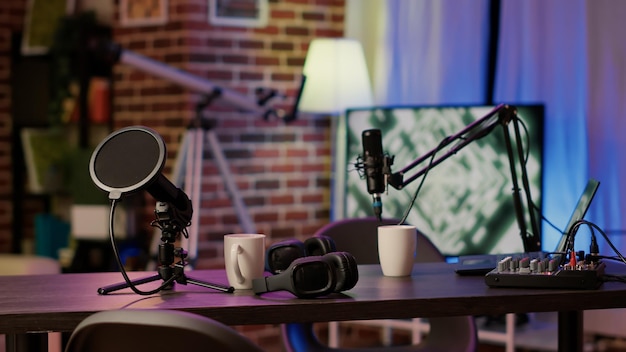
{"x": 127, "y": 159}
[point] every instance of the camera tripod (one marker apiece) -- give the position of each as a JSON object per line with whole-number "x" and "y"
{"x": 169, "y": 271}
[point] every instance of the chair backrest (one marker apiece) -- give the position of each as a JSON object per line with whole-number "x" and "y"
{"x": 132, "y": 330}
{"x": 359, "y": 236}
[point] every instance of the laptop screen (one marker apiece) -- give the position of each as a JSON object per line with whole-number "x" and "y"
{"x": 579, "y": 212}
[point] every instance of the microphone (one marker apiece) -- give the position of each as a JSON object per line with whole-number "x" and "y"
{"x": 373, "y": 164}
{"x": 163, "y": 190}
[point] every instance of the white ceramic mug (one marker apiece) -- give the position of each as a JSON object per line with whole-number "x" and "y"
{"x": 397, "y": 245}
{"x": 244, "y": 259}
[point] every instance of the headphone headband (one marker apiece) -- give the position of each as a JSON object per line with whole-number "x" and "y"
{"x": 305, "y": 277}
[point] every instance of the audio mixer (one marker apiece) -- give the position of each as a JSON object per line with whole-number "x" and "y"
{"x": 546, "y": 273}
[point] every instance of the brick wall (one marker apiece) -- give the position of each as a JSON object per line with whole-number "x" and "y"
{"x": 11, "y": 20}
{"x": 282, "y": 170}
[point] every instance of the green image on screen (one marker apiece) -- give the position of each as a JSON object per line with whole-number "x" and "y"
{"x": 466, "y": 204}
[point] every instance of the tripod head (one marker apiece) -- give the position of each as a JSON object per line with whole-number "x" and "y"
{"x": 171, "y": 221}
{"x": 172, "y": 225}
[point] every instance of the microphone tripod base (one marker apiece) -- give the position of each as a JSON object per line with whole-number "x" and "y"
{"x": 122, "y": 285}
{"x": 179, "y": 277}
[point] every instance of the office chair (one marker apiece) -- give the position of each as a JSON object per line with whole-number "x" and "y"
{"x": 129, "y": 330}
{"x": 360, "y": 237}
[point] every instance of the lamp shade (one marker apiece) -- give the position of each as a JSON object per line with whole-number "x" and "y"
{"x": 336, "y": 77}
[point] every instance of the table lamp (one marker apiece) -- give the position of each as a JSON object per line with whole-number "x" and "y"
{"x": 336, "y": 79}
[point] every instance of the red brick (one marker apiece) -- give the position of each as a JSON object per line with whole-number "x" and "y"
{"x": 282, "y": 46}
{"x": 219, "y": 43}
{"x": 313, "y": 16}
{"x": 282, "y": 199}
{"x": 251, "y": 44}
{"x": 282, "y": 77}
{"x": 235, "y": 59}
{"x": 251, "y": 76}
{"x": 269, "y": 30}
{"x": 296, "y": 215}
{"x": 266, "y": 61}
{"x": 301, "y": 31}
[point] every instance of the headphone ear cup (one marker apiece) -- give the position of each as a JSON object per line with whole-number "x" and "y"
{"x": 280, "y": 255}
{"x": 319, "y": 245}
{"x": 346, "y": 270}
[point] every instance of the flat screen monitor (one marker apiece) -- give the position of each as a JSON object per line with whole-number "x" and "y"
{"x": 465, "y": 206}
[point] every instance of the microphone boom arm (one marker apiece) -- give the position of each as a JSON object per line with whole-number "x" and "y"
{"x": 500, "y": 115}
{"x": 397, "y": 181}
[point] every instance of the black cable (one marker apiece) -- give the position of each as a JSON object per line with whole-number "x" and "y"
{"x": 546, "y": 219}
{"x": 130, "y": 284}
{"x": 572, "y": 233}
{"x": 527, "y": 135}
{"x": 613, "y": 278}
{"x": 417, "y": 191}
{"x": 525, "y": 161}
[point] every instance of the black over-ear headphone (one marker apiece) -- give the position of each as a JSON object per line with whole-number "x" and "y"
{"x": 280, "y": 255}
{"x": 312, "y": 276}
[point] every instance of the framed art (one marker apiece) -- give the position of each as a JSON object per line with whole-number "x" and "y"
{"x": 134, "y": 13}
{"x": 42, "y": 17}
{"x": 238, "y": 13}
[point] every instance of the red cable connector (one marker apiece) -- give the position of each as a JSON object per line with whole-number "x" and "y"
{"x": 572, "y": 259}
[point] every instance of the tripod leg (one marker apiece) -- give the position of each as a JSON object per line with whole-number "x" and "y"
{"x": 218, "y": 287}
{"x": 240, "y": 207}
{"x": 122, "y": 285}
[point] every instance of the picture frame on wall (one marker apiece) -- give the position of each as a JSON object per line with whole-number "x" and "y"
{"x": 238, "y": 13}
{"x": 42, "y": 17}
{"x": 136, "y": 13}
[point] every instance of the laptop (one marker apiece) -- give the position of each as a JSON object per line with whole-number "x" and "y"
{"x": 483, "y": 263}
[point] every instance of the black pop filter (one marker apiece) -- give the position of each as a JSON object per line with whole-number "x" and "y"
{"x": 127, "y": 160}
{"x": 131, "y": 159}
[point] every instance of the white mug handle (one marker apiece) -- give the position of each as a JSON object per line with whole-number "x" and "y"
{"x": 235, "y": 249}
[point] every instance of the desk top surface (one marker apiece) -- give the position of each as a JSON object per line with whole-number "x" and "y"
{"x": 60, "y": 302}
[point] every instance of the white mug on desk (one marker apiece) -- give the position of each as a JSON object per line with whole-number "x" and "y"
{"x": 397, "y": 245}
{"x": 244, "y": 257}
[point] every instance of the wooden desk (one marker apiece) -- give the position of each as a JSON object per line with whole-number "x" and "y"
{"x": 60, "y": 302}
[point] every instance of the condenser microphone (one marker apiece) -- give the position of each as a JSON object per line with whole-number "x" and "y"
{"x": 373, "y": 163}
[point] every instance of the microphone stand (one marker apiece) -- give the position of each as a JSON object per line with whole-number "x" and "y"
{"x": 168, "y": 270}
{"x": 501, "y": 115}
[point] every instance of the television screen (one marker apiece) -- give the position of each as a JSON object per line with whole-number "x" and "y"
{"x": 465, "y": 205}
